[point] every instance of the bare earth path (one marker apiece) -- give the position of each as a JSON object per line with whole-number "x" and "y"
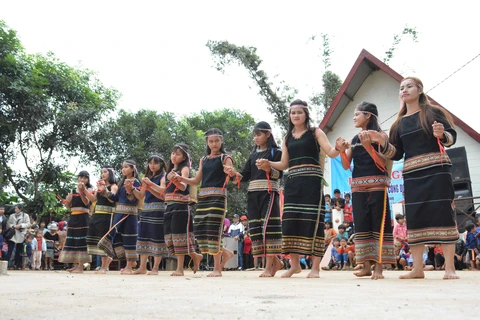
{"x": 238, "y": 295}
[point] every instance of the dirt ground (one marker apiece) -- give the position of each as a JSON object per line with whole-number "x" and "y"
{"x": 237, "y": 295}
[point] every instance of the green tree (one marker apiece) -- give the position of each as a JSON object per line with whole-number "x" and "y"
{"x": 277, "y": 98}
{"x": 137, "y": 135}
{"x": 237, "y": 127}
{"x": 50, "y": 112}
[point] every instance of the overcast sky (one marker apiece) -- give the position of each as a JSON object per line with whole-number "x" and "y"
{"x": 155, "y": 54}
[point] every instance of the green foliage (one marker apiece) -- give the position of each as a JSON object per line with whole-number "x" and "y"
{"x": 140, "y": 134}
{"x": 331, "y": 85}
{"x": 277, "y": 99}
{"x": 397, "y": 38}
{"x": 50, "y": 111}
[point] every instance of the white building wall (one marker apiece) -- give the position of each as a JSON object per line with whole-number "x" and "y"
{"x": 380, "y": 89}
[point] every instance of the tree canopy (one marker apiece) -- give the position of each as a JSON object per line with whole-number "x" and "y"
{"x": 50, "y": 112}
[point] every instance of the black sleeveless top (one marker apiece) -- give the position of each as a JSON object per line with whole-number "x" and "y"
{"x": 303, "y": 150}
{"x": 171, "y": 188}
{"x": 102, "y": 201}
{"x": 213, "y": 175}
{"x": 363, "y": 164}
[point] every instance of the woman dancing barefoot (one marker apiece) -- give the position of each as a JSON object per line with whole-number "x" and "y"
{"x": 304, "y": 209}
{"x": 420, "y": 134}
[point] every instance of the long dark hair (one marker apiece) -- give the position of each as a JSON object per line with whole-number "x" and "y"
{"x": 185, "y": 163}
{"x": 427, "y": 113}
{"x": 132, "y": 165}
{"x": 264, "y": 127}
{"x": 217, "y": 132}
{"x": 369, "y": 107}
{"x": 111, "y": 175}
{"x": 307, "y": 116}
{"x": 85, "y": 174}
{"x": 158, "y": 160}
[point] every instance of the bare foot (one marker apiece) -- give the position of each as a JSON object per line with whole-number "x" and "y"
{"x": 197, "y": 258}
{"x": 277, "y": 265}
{"x": 378, "y": 272}
{"x": 413, "y": 275}
{"x": 450, "y": 275}
{"x": 101, "y": 271}
{"x": 365, "y": 272}
{"x": 314, "y": 273}
{"x": 77, "y": 270}
{"x": 177, "y": 273}
{"x": 154, "y": 272}
{"x": 215, "y": 274}
{"x": 226, "y": 255}
{"x": 128, "y": 271}
{"x": 290, "y": 272}
{"x": 358, "y": 267}
{"x": 139, "y": 271}
{"x": 266, "y": 274}
{"x": 69, "y": 270}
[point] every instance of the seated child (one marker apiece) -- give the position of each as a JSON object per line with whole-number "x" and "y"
{"x": 333, "y": 264}
{"x": 343, "y": 251}
{"x": 341, "y": 233}
{"x": 472, "y": 246}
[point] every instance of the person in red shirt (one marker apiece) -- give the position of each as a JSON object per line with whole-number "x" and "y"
{"x": 247, "y": 251}
{"x": 348, "y": 211}
{"x": 439, "y": 257}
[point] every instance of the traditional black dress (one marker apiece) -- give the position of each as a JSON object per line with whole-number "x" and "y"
{"x": 121, "y": 241}
{"x": 304, "y": 206}
{"x": 264, "y": 221}
{"x": 179, "y": 236}
{"x": 100, "y": 223}
{"x": 371, "y": 208}
{"x": 151, "y": 239}
{"x": 75, "y": 248}
{"x": 211, "y": 207}
{"x": 428, "y": 183}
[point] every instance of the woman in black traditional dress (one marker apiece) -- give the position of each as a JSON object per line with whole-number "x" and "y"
{"x": 420, "y": 134}
{"x": 373, "y": 228}
{"x": 75, "y": 248}
{"x": 151, "y": 237}
{"x": 102, "y": 218}
{"x": 212, "y": 200}
{"x": 263, "y": 200}
{"x": 179, "y": 237}
{"x": 304, "y": 206}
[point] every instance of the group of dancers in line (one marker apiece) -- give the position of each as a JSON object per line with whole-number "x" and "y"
{"x": 419, "y": 134}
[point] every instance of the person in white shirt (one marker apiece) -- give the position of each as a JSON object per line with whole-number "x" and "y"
{"x": 236, "y": 231}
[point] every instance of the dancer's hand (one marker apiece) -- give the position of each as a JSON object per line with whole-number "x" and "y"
{"x": 375, "y": 137}
{"x": 173, "y": 176}
{"x": 341, "y": 145}
{"x": 100, "y": 185}
{"x": 81, "y": 187}
{"x": 263, "y": 164}
{"x": 229, "y": 170}
{"x": 147, "y": 181}
{"x": 365, "y": 139}
{"x": 438, "y": 130}
{"x": 129, "y": 185}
